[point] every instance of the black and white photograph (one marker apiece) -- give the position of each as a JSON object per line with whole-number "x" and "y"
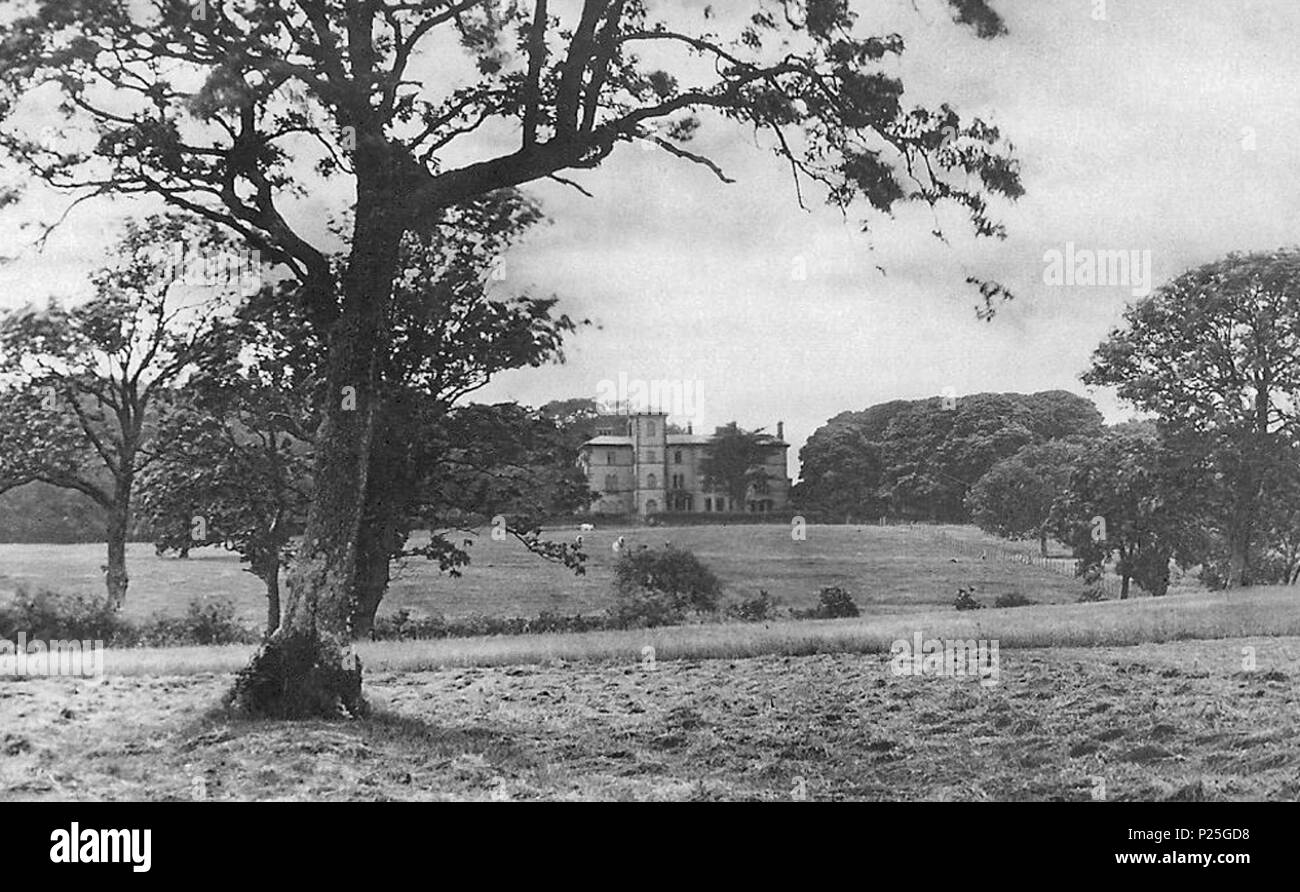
{"x": 651, "y": 401}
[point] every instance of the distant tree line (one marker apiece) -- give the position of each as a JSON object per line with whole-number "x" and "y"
{"x": 919, "y": 459}
{"x": 1209, "y": 480}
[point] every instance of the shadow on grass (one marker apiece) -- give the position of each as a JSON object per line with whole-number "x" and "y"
{"x": 384, "y": 729}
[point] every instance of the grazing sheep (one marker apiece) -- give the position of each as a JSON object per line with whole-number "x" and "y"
{"x": 587, "y": 527}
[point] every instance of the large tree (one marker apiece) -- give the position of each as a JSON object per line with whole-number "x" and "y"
{"x": 1124, "y": 500}
{"x": 1215, "y": 356}
{"x": 1014, "y": 499}
{"x": 230, "y": 108}
{"x": 920, "y": 458}
{"x": 85, "y": 384}
{"x": 735, "y": 463}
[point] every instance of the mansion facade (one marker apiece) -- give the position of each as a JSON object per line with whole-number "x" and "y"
{"x": 637, "y": 467}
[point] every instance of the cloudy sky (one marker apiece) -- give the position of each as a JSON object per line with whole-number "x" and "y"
{"x": 1168, "y": 126}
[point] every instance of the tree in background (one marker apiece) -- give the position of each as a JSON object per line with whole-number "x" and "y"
{"x": 579, "y": 418}
{"x": 256, "y": 405}
{"x": 39, "y": 512}
{"x": 233, "y": 456}
{"x": 735, "y": 463}
{"x": 228, "y": 112}
{"x": 84, "y": 385}
{"x": 1014, "y": 499}
{"x": 920, "y": 458}
{"x": 1215, "y": 356}
{"x": 1122, "y": 501}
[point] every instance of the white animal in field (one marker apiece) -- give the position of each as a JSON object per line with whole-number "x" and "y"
{"x": 618, "y": 544}
{"x": 587, "y": 527}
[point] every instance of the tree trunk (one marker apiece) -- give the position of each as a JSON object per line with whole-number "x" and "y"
{"x": 1042, "y": 542}
{"x": 1239, "y": 551}
{"x": 308, "y": 668}
{"x": 115, "y": 577}
{"x": 1123, "y": 588}
{"x": 272, "y": 580}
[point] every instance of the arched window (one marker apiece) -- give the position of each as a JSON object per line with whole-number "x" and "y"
{"x": 677, "y": 457}
{"x": 651, "y": 506}
{"x": 651, "y": 482}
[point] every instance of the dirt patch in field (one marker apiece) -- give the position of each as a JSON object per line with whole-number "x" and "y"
{"x": 1188, "y": 720}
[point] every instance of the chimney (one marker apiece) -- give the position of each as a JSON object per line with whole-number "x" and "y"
{"x": 780, "y": 430}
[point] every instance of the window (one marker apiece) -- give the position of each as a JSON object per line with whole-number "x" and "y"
{"x": 609, "y": 458}
{"x": 677, "y": 457}
{"x": 650, "y": 429}
{"x": 651, "y": 481}
{"x": 651, "y": 506}
{"x": 652, "y": 455}
{"x": 708, "y": 504}
{"x": 611, "y": 483}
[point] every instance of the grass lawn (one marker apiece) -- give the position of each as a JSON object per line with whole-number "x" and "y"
{"x": 1179, "y": 720}
{"x": 888, "y": 570}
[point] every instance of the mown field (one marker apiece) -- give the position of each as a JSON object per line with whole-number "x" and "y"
{"x": 1180, "y": 720}
{"x": 1190, "y": 696}
{"x": 888, "y": 570}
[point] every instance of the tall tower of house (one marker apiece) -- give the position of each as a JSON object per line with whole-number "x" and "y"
{"x": 650, "y": 461}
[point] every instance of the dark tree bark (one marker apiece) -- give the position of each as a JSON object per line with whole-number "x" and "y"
{"x": 270, "y": 575}
{"x": 308, "y": 667}
{"x": 115, "y": 577}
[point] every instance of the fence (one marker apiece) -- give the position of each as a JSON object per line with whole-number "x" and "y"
{"x": 1108, "y": 585}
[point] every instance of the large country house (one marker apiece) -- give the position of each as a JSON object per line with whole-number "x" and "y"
{"x": 637, "y": 467}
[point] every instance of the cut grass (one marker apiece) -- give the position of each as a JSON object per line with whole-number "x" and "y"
{"x": 1243, "y": 613}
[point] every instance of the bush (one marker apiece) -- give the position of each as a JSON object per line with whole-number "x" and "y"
{"x": 1013, "y": 599}
{"x": 677, "y": 574}
{"x": 204, "y": 623}
{"x": 1091, "y": 595}
{"x": 761, "y": 608}
{"x": 966, "y": 601}
{"x": 836, "y": 603}
{"x": 48, "y": 616}
{"x": 643, "y": 608}
{"x": 833, "y": 603}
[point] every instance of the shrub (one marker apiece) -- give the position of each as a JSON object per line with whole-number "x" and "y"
{"x": 966, "y": 601}
{"x": 835, "y": 603}
{"x": 204, "y": 623}
{"x": 641, "y": 608}
{"x": 1092, "y": 594}
{"x": 1013, "y": 599}
{"x": 758, "y": 609}
{"x": 49, "y": 616}
{"x": 685, "y": 583}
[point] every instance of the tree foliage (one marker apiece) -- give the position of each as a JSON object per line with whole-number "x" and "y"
{"x": 1214, "y": 355}
{"x": 920, "y": 458}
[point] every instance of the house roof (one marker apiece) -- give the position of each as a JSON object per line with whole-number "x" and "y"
{"x": 673, "y": 440}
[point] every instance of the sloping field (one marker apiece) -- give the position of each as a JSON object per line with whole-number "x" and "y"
{"x": 889, "y": 570}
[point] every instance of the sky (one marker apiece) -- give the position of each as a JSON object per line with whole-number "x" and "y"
{"x": 1160, "y": 126}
